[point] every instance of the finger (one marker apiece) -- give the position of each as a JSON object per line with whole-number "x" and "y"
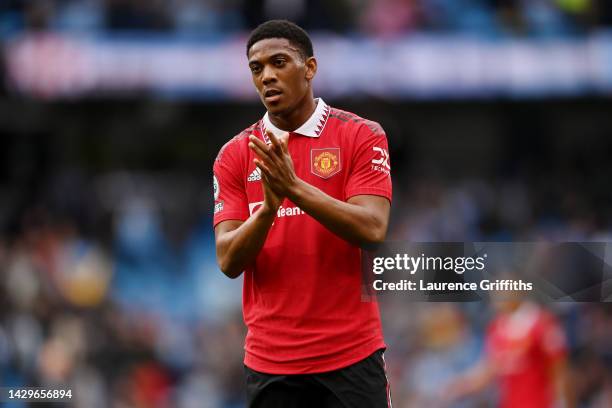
{"x": 262, "y": 151}
{"x": 264, "y": 169}
{"x": 276, "y": 141}
{"x": 269, "y": 159}
{"x": 284, "y": 142}
{"x": 273, "y": 153}
{"x": 258, "y": 142}
{"x": 269, "y": 154}
{"x": 265, "y": 179}
{"x": 272, "y": 138}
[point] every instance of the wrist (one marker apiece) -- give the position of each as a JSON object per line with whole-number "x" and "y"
{"x": 296, "y": 191}
{"x": 267, "y": 211}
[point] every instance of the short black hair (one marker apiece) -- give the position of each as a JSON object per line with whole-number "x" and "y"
{"x": 282, "y": 29}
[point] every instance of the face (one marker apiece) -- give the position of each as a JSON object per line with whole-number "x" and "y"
{"x": 281, "y": 75}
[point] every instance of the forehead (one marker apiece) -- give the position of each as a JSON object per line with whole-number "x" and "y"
{"x": 272, "y": 46}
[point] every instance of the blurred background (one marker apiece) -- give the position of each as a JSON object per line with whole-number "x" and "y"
{"x": 499, "y": 119}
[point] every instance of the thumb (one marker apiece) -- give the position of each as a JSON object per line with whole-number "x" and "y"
{"x": 284, "y": 141}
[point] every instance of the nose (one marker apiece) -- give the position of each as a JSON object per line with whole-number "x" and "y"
{"x": 268, "y": 75}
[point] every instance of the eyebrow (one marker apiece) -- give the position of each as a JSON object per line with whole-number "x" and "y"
{"x": 278, "y": 54}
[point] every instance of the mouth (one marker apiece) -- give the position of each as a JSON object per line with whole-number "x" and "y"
{"x": 272, "y": 95}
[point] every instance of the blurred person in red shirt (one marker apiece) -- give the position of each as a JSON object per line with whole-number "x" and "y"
{"x": 525, "y": 356}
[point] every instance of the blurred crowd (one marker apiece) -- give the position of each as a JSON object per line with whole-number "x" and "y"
{"x": 142, "y": 318}
{"x": 108, "y": 279}
{"x": 382, "y": 18}
{"x": 129, "y": 321}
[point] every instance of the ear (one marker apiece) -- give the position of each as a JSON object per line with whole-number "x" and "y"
{"x": 311, "y": 68}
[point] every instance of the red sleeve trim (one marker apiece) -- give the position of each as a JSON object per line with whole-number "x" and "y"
{"x": 369, "y": 191}
{"x": 230, "y": 215}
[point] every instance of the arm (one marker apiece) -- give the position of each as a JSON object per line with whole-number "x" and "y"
{"x": 238, "y": 242}
{"x": 553, "y": 344}
{"x": 561, "y": 383}
{"x": 473, "y": 381}
{"x": 363, "y": 220}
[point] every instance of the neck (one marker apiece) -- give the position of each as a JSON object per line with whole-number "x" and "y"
{"x": 289, "y": 121}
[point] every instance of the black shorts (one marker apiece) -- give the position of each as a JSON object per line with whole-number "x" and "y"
{"x": 363, "y": 384}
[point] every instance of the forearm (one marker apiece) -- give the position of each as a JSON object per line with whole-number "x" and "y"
{"x": 472, "y": 382}
{"x": 562, "y": 386}
{"x": 354, "y": 223}
{"x": 237, "y": 249}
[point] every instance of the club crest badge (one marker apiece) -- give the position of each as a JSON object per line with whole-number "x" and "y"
{"x": 325, "y": 162}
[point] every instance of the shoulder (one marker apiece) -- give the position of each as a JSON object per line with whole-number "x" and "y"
{"x": 546, "y": 320}
{"x": 494, "y": 327}
{"x": 235, "y": 144}
{"x": 354, "y": 122}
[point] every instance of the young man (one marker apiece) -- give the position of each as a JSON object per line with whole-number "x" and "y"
{"x": 297, "y": 195}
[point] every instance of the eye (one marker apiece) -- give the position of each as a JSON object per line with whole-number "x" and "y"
{"x": 279, "y": 62}
{"x": 255, "y": 69}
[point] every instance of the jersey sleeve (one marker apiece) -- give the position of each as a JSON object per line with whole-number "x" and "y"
{"x": 228, "y": 186}
{"x": 370, "y": 172}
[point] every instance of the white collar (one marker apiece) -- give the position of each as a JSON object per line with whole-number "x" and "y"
{"x": 313, "y": 127}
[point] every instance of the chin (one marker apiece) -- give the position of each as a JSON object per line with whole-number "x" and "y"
{"x": 276, "y": 108}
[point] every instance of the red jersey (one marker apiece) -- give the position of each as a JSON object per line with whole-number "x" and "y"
{"x": 523, "y": 346}
{"x": 302, "y": 296}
